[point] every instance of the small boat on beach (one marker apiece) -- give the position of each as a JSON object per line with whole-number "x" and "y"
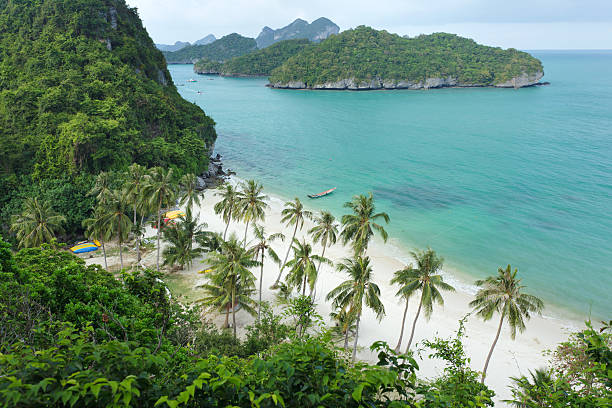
{"x": 323, "y": 194}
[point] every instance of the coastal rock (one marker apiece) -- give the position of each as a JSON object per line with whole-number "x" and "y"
{"x": 522, "y": 80}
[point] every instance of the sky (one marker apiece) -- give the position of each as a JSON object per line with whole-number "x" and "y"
{"x": 522, "y": 24}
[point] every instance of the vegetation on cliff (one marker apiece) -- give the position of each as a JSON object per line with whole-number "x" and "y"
{"x": 232, "y": 45}
{"x": 82, "y": 90}
{"x": 365, "y": 54}
{"x": 257, "y": 63}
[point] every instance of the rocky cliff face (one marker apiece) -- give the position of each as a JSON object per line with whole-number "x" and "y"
{"x": 430, "y": 83}
{"x": 317, "y": 31}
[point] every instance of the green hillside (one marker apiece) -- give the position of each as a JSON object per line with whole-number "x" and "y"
{"x": 257, "y": 63}
{"x": 232, "y": 45}
{"x": 83, "y": 89}
{"x": 365, "y": 58}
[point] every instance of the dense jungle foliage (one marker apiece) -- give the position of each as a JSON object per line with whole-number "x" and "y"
{"x": 257, "y": 63}
{"x": 232, "y": 45}
{"x": 365, "y": 54}
{"x": 83, "y": 89}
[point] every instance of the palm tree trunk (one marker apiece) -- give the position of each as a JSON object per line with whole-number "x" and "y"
{"x": 138, "y": 239}
{"x": 226, "y": 227}
{"x": 313, "y": 292}
{"x": 414, "y": 323}
{"x": 234, "y": 309}
{"x": 346, "y": 336}
{"x": 280, "y": 273}
{"x": 304, "y": 285}
{"x": 104, "y": 252}
{"x": 356, "y": 337}
{"x": 399, "y": 342}
{"x": 226, "y": 324}
{"x": 260, "y": 286}
{"x": 484, "y": 371}
{"x": 245, "y": 234}
{"x": 158, "y": 231}
{"x": 120, "y": 246}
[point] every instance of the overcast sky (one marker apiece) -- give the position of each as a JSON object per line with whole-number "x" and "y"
{"x": 523, "y": 24}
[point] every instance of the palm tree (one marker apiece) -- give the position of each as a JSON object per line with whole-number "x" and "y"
{"x": 326, "y": 232}
{"x": 293, "y": 214}
{"x": 38, "y": 223}
{"x": 180, "y": 249}
{"x": 231, "y": 269}
{"x": 95, "y": 228}
{"x": 424, "y": 278}
{"x": 251, "y": 204}
{"x": 531, "y": 392}
{"x": 352, "y": 294}
{"x": 102, "y": 187}
{"x": 115, "y": 219}
{"x": 503, "y": 294}
{"x": 402, "y": 278}
{"x": 160, "y": 191}
{"x": 359, "y": 227}
{"x": 302, "y": 267}
{"x": 189, "y": 194}
{"x": 218, "y": 297}
{"x": 344, "y": 326}
{"x": 136, "y": 179}
{"x": 259, "y": 249}
{"x": 228, "y": 204}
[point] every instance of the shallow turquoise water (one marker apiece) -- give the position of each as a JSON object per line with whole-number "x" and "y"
{"x": 486, "y": 177}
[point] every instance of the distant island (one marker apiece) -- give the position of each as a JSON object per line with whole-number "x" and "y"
{"x": 232, "y": 45}
{"x": 257, "y": 63}
{"x": 364, "y": 58}
{"x": 182, "y": 44}
{"x": 316, "y": 31}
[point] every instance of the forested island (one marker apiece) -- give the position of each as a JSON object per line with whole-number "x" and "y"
{"x": 232, "y": 45}
{"x": 258, "y": 63}
{"x": 364, "y": 58}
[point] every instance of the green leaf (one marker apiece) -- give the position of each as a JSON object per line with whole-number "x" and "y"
{"x": 358, "y": 391}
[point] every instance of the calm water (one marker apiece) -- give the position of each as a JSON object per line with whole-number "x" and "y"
{"x": 486, "y": 177}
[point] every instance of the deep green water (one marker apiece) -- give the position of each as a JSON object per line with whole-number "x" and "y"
{"x": 486, "y": 177}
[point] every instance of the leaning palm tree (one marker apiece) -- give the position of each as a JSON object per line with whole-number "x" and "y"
{"x": 136, "y": 179}
{"x": 114, "y": 217}
{"x": 302, "y": 269}
{"x": 359, "y": 227}
{"x": 95, "y": 228}
{"x": 503, "y": 294}
{"x": 293, "y": 214}
{"x": 407, "y": 286}
{"x": 352, "y": 294}
{"x": 219, "y": 297}
{"x": 159, "y": 191}
{"x": 37, "y": 223}
{"x": 189, "y": 193}
{"x": 326, "y": 232}
{"x": 251, "y": 204}
{"x": 227, "y": 207}
{"x": 424, "y": 277}
{"x": 262, "y": 245}
{"x": 102, "y": 187}
{"x": 231, "y": 269}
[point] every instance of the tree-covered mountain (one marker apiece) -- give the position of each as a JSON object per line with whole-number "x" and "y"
{"x": 257, "y": 63}
{"x": 206, "y": 40}
{"x": 232, "y": 45}
{"x": 172, "y": 47}
{"x": 82, "y": 90}
{"x": 316, "y": 31}
{"x": 364, "y": 58}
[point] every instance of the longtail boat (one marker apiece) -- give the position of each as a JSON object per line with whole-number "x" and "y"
{"x": 331, "y": 190}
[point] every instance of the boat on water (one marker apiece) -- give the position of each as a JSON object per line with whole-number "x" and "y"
{"x": 192, "y": 80}
{"x": 323, "y": 194}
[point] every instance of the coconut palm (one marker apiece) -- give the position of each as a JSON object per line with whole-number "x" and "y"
{"x": 532, "y": 392}
{"x": 114, "y": 218}
{"x": 344, "y": 326}
{"x": 227, "y": 207}
{"x": 293, "y": 214}
{"x": 102, "y": 187}
{"x": 95, "y": 228}
{"x": 136, "y": 180}
{"x": 503, "y": 294}
{"x": 37, "y": 223}
{"x": 359, "y": 227}
{"x": 352, "y": 294}
{"x": 406, "y": 284}
{"x": 180, "y": 236}
{"x": 189, "y": 193}
{"x": 231, "y": 269}
{"x": 159, "y": 191}
{"x": 423, "y": 277}
{"x": 262, "y": 245}
{"x": 218, "y": 297}
{"x": 325, "y": 231}
{"x": 302, "y": 269}
{"x": 251, "y": 204}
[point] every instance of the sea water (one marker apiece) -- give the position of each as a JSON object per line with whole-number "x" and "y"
{"x": 486, "y": 177}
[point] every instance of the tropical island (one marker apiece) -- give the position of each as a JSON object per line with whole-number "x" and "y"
{"x": 97, "y": 146}
{"x": 364, "y": 58}
{"x": 232, "y": 45}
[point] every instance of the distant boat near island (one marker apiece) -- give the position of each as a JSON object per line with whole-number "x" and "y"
{"x": 323, "y": 194}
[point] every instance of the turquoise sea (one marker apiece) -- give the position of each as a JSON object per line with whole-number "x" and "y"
{"x": 486, "y": 177}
